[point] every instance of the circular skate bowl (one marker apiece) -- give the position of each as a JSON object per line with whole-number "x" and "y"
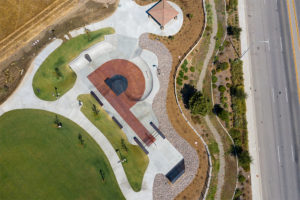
{"x": 125, "y": 77}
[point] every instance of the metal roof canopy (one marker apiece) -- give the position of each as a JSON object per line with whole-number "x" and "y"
{"x": 162, "y": 12}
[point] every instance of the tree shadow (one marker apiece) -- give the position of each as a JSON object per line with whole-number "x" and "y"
{"x": 187, "y": 92}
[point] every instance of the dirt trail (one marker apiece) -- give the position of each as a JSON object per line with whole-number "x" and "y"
{"x": 221, "y": 173}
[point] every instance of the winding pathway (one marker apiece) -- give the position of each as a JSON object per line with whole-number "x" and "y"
{"x": 221, "y": 173}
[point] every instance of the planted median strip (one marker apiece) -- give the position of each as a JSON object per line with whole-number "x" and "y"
{"x": 54, "y": 77}
{"x": 133, "y": 159}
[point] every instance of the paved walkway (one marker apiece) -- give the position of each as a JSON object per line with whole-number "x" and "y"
{"x": 161, "y": 189}
{"x": 221, "y": 173}
{"x": 135, "y": 24}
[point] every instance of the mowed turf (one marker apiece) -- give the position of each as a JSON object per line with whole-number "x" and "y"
{"x": 55, "y": 70}
{"x": 40, "y": 161}
{"x": 136, "y": 160}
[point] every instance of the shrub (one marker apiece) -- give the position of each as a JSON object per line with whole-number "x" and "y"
{"x": 192, "y": 69}
{"x": 222, "y": 88}
{"x": 213, "y": 72}
{"x": 214, "y": 85}
{"x": 228, "y": 85}
{"x": 238, "y": 92}
{"x": 171, "y": 37}
{"x": 227, "y": 79}
{"x": 234, "y": 31}
{"x": 214, "y": 79}
{"x": 232, "y": 5}
{"x": 241, "y": 178}
{"x": 243, "y": 156}
{"x": 221, "y": 48}
{"x": 189, "y": 15}
{"x": 181, "y": 74}
{"x": 199, "y": 104}
{"x": 221, "y": 113}
{"x": 226, "y": 43}
{"x": 185, "y": 77}
{"x": 222, "y": 66}
{"x": 179, "y": 81}
{"x": 237, "y": 194}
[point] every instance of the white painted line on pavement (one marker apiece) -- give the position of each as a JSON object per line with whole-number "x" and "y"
{"x": 278, "y": 154}
{"x": 292, "y": 149}
{"x": 286, "y": 96}
{"x": 273, "y": 96}
{"x": 280, "y": 44}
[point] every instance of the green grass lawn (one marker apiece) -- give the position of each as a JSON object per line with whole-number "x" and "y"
{"x": 55, "y": 70}
{"x": 136, "y": 160}
{"x": 40, "y": 161}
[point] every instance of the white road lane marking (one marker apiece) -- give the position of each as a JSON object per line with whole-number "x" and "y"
{"x": 273, "y": 95}
{"x": 286, "y": 95}
{"x": 280, "y": 44}
{"x": 278, "y": 154}
{"x": 292, "y": 150}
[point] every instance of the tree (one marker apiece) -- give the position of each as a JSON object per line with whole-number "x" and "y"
{"x": 124, "y": 145}
{"x": 238, "y": 92}
{"x": 222, "y": 66}
{"x": 222, "y": 88}
{"x": 221, "y": 113}
{"x": 234, "y": 31}
{"x": 102, "y": 174}
{"x": 199, "y": 104}
{"x": 189, "y": 15}
{"x": 95, "y": 109}
{"x": 80, "y": 139}
{"x": 57, "y": 122}
{"x": 187, "y": 92}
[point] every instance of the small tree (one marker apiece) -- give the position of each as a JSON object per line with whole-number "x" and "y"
{"x": 199, "y": 104}
{"x": 57, "y": 122}
{"x": 189, "y": 15}
{"x": 124, "y": 145}
{"x": 102, "y": 174}
{"x": 222, "y": 88}
{"x": 80, "y": 139}
{"x": 234, "y": 31}
{"x": 95, "y": 109}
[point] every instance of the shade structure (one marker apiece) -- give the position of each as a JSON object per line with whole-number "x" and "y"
{"x": 162, "y": 12}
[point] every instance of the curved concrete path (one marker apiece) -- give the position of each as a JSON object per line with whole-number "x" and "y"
{"x": 67, "y": 105}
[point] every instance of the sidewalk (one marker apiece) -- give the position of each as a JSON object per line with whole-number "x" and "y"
{"x": 252, "y": 130}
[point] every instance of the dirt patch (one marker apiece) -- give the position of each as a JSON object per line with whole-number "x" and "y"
{"x": 14, "y": 67}
{"x": 179, "y": 45}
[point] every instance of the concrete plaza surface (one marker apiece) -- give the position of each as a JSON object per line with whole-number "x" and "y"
{"x": 129, "y": 22}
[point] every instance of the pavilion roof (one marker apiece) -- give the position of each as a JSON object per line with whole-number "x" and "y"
{"x": 162, "y": 12}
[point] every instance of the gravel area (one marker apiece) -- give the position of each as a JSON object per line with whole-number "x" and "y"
{"x": 161, "y": 189}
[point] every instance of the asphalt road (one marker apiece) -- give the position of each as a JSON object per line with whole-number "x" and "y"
{"x": 276, "y": 97}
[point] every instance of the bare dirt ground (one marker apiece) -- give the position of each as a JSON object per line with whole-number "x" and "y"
{"x": 13, "y": 67}
{"x": 179, "y": 45}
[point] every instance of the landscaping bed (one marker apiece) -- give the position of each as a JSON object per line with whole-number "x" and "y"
{"x": 136, "y": 161}
{"x": 54, "y": 77}
{"x": 179, "y": 45}
{"x": 39, "y": 160}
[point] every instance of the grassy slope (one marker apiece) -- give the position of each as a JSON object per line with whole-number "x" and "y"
{"x": 46, "y": 78}
{"x": 137, "y": 161}
{"x": 40, "y": 161}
